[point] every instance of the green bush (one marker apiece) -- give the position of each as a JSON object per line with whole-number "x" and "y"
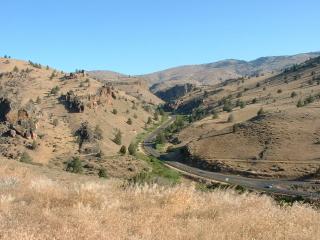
{"x": 300, "y": 103}
{"x": 55, "y": 90}
{"x": 102, "y": 173}
{"x": 132, "y": 149}
{"x": 242, "y": 104}
{"x": 75, "y": 165}
{"x": 227, "y": 107}
{"x": 114, "y": 111}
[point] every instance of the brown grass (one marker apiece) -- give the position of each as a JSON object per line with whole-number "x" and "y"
{"x": 33, "y": 206}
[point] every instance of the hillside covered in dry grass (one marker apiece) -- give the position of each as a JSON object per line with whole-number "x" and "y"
{"x": 44, "y": 111}
{"x": 265, "y": 125}
{"x": 34, "y": 200}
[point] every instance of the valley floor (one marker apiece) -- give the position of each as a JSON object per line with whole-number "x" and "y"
{"x": 39, "y": 203}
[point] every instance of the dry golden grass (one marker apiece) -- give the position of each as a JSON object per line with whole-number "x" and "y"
{"x": 35, "y": 206}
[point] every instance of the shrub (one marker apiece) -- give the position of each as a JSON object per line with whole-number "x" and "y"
{"x": 123, "y": 150}
{"x": 25, "y": 158}
{"x": 149, "y": 120}
{"x": 279, "y": 91}
{"x": 102, "y": 173}
{"x": 55, "y": 90}
{"x": 75, "y": 165}
{"x": 132, "y": 149}
{"x": 227, "y": 107}
{"x": 114, "y": 111}
{"x": 118, "y": 138}
{"x": 258, "y": 85}
{"x": 129, "y": 121}
{"x": 293, "y": 94}
{"x": 300, "y": 103}
{"x": 53, "y": 74}
{"x": 135, "y": 115}
{"x": 15, "y": 69}
{"x": 231, "y": 118}
{"x": 254, "y": 100}
{"x": 242, "y": 104}
{"x": 98, "y": 133}
{"x": 84, "y": 134}
{"x": 100, "y": 154}
{"x": 35, "y": 65}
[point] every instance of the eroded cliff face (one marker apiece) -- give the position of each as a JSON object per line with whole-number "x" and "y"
{"x": 175, "y": 92}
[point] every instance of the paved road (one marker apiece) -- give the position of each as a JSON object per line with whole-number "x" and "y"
{"x": 275, "y": 186}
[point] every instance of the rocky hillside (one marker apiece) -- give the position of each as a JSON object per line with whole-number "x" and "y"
{"x": 216, "y": 72}
{"x": 134, "y": 86}
{"x": 49, "y": 117}
{"x": 174, "y": 92}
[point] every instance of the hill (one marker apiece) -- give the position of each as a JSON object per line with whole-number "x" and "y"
{"x": 274, "y": 116}
{"x": 134, "y": 86}
{"x": 53, "y": 116}
{"x": 216, "y": 72}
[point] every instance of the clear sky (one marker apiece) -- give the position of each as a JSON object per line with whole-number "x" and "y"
{"x": 142, "y": 36}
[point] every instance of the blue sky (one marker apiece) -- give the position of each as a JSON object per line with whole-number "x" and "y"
{"x": 142, "y": 36}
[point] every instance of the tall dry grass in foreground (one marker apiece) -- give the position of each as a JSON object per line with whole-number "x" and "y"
{"x": 34, "y": 207}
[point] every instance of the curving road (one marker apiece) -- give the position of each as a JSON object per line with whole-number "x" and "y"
{"x": 274, "y": 186}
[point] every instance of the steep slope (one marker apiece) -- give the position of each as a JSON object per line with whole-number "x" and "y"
{"x": 46, "y": 114}
{"x": 212, "y": 73}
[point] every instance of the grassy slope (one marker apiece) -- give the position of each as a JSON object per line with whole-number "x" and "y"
{"x": 33, "y": 203}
